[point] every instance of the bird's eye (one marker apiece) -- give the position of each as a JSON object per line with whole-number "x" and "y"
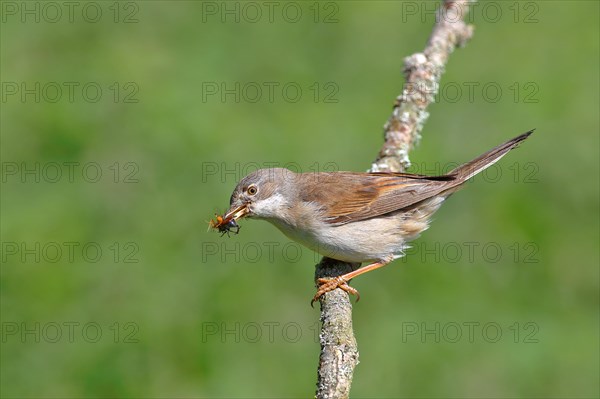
{"x": 252, "y": 190}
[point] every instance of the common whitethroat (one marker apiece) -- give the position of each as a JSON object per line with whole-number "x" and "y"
{"x": 350, "y": 216}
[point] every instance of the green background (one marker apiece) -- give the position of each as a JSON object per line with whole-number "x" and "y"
{"x": 170, "y": 310}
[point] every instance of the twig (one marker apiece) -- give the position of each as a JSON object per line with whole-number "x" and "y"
{"x": 339, "y": 352}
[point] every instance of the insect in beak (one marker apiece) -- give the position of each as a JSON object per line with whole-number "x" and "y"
{"x": 224, "y": 225}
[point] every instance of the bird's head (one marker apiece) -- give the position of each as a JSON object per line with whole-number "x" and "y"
{"x": 263, "y": 194}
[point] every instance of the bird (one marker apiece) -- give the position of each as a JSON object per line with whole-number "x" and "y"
{"x": 356, "y": 217}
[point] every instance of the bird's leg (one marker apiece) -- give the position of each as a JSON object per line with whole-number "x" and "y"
{"x": 327, "y": 284}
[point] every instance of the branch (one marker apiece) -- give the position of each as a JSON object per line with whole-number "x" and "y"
{"x": 423, "y": 71}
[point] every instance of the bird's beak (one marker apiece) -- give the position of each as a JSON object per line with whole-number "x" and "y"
{"x": 237, "y": 213}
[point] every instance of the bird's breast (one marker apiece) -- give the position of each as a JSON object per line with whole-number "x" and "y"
{"x": 361, "y": 241}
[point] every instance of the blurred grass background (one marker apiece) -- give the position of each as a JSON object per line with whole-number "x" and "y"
{"x": 214, "y": 317}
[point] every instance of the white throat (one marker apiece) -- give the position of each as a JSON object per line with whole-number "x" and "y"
{"x": 274, "y": 207}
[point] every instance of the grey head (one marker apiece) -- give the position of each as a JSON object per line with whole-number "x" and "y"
{"x": 265, "y": 194}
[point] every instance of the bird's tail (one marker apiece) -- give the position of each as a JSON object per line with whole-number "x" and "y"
{"x": 470, "y": 169}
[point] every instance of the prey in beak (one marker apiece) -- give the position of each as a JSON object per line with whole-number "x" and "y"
{"x": 223, "y": 226}
{"x": 227, "y": 223}
{"x": 255, "y": 196}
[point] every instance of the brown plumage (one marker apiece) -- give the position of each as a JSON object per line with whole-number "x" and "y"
{"x": 350, "y": 197}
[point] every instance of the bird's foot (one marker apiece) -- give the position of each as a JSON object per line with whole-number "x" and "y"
{"x": 331, "y": 283}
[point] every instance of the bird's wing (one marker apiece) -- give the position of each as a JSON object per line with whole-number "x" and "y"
{"x": 347, "y": 197}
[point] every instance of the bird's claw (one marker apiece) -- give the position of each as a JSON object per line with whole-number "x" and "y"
{"x": 327, "y": 284}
